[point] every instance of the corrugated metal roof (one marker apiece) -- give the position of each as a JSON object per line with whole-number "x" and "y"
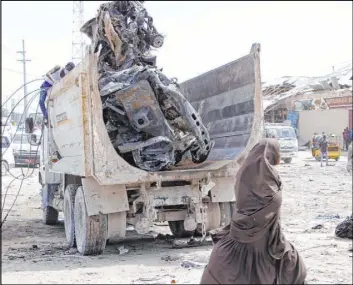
{"x": 287, "y": 86}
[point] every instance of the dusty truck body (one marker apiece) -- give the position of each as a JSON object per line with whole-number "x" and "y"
{"x": 100, "y": 193}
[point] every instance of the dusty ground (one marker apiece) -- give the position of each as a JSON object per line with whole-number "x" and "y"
{"x": 34, "y": 253}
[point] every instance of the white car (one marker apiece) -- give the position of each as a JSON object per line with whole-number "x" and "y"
{"x": 7, "y": 158}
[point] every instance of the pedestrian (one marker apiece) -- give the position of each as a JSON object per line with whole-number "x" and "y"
{"x": 346, "y": 137}
{"x": 52, "y": 76}
{"x": 324, "y": 149}
{"x": 252, "y": 249}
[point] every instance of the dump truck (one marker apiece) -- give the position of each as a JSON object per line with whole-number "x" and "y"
{"x": 100, "y": 193}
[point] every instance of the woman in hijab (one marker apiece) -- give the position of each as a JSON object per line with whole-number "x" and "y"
{"x": 253, "y": 249}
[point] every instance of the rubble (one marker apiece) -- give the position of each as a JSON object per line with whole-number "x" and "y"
{"x": 345, "y": 228}
{"x": 150, "y": 123}
{"x": 192, "y": 264}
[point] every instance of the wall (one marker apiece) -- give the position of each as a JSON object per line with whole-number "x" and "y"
{"x": 288, "y": 103}
{"x": 329, "y": 121}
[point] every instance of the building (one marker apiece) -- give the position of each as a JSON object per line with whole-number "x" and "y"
{"x": 312, "y": 104}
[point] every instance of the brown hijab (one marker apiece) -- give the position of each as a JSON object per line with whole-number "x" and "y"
{"x": 254, "y": 236}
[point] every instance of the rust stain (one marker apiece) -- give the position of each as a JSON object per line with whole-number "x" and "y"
{"x": 145, "y": 100}
{"x": 85, "y": 121}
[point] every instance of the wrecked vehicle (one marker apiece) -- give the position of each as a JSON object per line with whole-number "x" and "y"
{"x": 98, "y": 164}
{"x": 149, "y": 121}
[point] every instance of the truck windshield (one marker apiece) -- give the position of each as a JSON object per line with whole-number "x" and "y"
{"x": 282, "y": 133}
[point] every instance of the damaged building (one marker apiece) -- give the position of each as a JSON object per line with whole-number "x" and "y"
{"x": 149, "y": 121}
{"x": 312, "y": 104}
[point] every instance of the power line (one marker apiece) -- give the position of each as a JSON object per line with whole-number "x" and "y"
{"x": 19, "y": 72}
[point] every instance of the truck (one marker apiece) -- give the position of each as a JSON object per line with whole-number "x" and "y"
{"x": 287, "y": 138}
{"x": 100, "y": 193}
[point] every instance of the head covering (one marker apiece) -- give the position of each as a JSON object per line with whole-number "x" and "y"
{"x": 257, "y": 190}
{"x": 253, "y": 249}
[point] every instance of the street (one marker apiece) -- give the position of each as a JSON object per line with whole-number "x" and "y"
{"x": 315, "y": 200}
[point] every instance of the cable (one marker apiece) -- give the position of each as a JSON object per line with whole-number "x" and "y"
{"x": 8, "y": 117}
{"x": 31, "y": 100}
{"x": 16, "y": 71}
{"x": 17, "y": 178}
{"x": 18, "y": 90}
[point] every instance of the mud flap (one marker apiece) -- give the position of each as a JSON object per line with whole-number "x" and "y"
{"x": 48, "y": 191}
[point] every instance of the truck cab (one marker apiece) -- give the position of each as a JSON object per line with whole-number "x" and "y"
{"x": 287, "y": 138}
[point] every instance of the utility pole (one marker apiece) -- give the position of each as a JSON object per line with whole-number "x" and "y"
{"x": 24, "y": 60}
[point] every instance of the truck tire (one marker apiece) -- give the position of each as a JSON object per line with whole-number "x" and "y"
{"x": 287, "y": 160}
{"x": 177, "y": 229}
{"x": 90, "y": 231}
{"x": 50, "y": 215}
{"x": 68, "y": 209}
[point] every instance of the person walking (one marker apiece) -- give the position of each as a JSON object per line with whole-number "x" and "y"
{"x": 346, "y": 138}
{"x": 252, "y": 249}
{"x": 324, "y": 149}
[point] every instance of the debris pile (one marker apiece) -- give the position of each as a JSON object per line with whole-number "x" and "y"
{"x": 345, "y": 228}
{"x": 150, "y": 123}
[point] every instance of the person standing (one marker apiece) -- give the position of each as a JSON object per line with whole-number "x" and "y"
{"x": 252, "y": 249}
{"x": 324, "y": 149}
{"x": 346, "y": 137}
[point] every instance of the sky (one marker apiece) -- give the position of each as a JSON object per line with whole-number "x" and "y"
{"x": 297, "y": 38}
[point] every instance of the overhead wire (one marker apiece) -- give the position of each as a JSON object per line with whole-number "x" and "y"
{"x": 16, "y": 71}
{"x": 38, "y": 79}
{"x": 24, "y": 176}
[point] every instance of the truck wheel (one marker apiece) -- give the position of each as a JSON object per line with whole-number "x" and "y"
{"x": 90, "y": 231}
{"x": 50, "y": 215}
{"x": 287, "y": 160}
{"x": 177, "y": 229}
{"x": 68, "y": 209}
{"x": 337, "y": 158}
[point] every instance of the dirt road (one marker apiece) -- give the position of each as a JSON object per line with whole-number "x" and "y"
{"x": 313, "y": 197}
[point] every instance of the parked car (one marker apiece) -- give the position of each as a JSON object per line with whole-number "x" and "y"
{"x": 24, "y": 152}
{"x": 7, "y": 158}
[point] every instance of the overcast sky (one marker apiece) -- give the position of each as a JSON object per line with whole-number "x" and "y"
{"x": 297, "y": 38}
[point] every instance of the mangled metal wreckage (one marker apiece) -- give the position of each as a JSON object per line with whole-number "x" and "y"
{"x": 149, "y": 121}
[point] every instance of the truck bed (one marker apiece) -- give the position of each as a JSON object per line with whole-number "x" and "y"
{"x": 228, "y": 98}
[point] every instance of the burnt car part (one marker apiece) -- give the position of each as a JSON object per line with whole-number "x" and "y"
{"x": 149, "y": 121}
